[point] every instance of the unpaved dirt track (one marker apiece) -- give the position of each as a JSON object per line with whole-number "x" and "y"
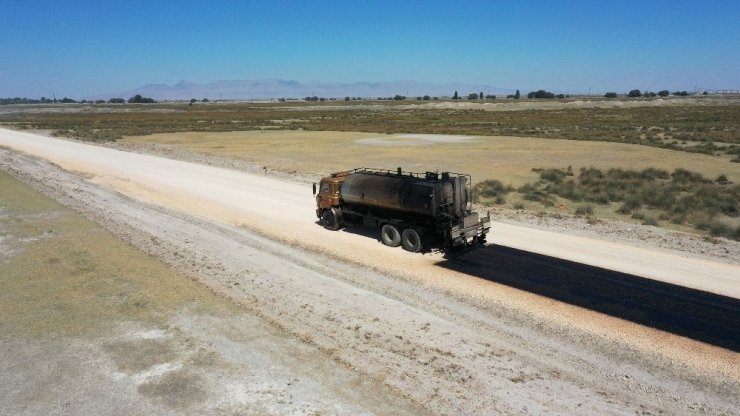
{"x": 449, "y": 341}
{"x": 286, "y": 211}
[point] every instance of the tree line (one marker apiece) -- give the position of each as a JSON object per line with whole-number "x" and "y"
{"x": 539, "y": 94}
{"x": 637, "y": 94}
{"x": 136, "y": 99}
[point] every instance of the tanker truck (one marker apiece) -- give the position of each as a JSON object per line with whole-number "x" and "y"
{"x": 413, "y": 210}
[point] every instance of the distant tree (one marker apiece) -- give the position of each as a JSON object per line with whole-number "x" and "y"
{"x": 322, "y": 99}
{"x": 664, "y": 93}
{"x": 705, "y": 93}
{"x": 426, "y": 98}
{"x": 398, "y": 97}
{"x": 681, "y": 93}
{"x": 455, "y": 97}
{"x": 480, "y": 95}
{"x": 193, "y": 101}
{"x": 540, "y": 94}
{"x": 560, "y": 96}
{"x": 472, "y": 96}
{"x": 511, "y": 96}
{"x": 435, "y": 98}
{"x": 205, "y": 100}
{"x": 517, "y": 95}
{"x": 138, "y": 99}
{"x": 116, "y": 101}
{"x": 634, "y": 93}
{"x": 67, "y": 100}
{"x": 99, "y": 101}
{"x": 490, "y": 97}
{"x": 610, "y": 95}
{"x": 346, "y": 98}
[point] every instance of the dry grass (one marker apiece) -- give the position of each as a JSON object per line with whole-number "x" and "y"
{"x": 65, "y": 275}
{"x": 509, "y": 159}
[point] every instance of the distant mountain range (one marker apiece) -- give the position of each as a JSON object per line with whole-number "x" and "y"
{"x": 278, "y": 88}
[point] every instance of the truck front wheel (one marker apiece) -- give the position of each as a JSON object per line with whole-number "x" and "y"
{"x": 331, "y": 219}
{"x": 411, "y": 240}
{"x": 390, "y": 235}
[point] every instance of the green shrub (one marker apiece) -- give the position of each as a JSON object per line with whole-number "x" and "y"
{"x": 629, "y": 205}
{"x": 491, "y": 188}
{"x": 584, "y": 210}
{"x": 720, "y": 229}
{"x": 679, "y": 197}
{"x": 533, "y": 193}
{"x": 648, "y": 220}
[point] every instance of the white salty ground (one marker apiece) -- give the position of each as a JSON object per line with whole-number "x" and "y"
{"x": 451, "y": 343}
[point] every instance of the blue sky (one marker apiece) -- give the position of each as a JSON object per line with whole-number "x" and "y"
{"x": 82, "y": 48}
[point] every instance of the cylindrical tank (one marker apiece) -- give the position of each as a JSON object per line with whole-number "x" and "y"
{"x": 402, "y": 193}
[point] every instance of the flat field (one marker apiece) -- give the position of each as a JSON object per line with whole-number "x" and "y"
{"x": 696, "y": 124}
{"x": 507, "y": 158}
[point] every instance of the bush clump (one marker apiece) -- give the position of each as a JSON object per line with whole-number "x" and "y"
{"x": 536, "y": 193}
{"x": 681, "y": 196}
{"x": 584, "y": 210}
{"x": 491, "y": 189}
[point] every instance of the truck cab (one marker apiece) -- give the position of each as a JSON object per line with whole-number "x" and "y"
{"x": 328, "y": 195}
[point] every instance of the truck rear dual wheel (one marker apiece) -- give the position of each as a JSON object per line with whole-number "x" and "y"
{"x": 411, "y": 240}
{"x": 390, "y": 235}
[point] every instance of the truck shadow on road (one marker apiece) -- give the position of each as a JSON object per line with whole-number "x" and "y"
{"x": 703, "y": 316}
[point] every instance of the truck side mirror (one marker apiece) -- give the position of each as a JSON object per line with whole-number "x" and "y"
{"x": 314, "y": 188}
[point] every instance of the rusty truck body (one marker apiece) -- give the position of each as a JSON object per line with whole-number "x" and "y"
{"x": 414, "y": 210}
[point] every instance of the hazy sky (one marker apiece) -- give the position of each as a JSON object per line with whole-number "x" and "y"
{"x": 82, "y": 48}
